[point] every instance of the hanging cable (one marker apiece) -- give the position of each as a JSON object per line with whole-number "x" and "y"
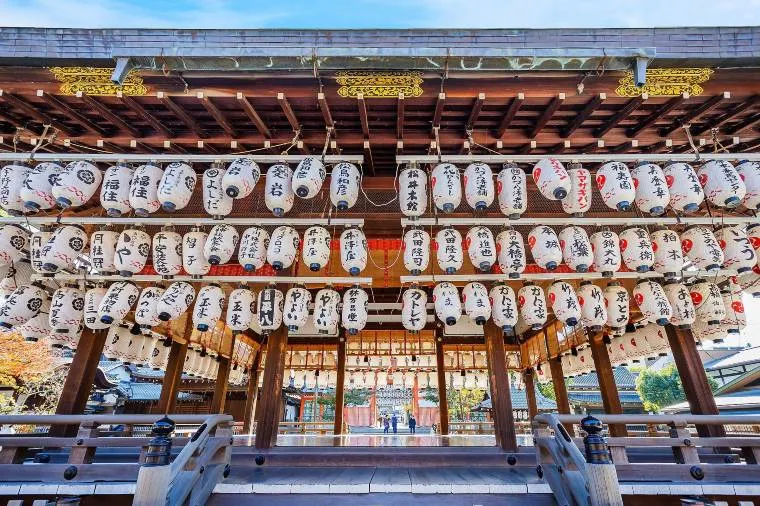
{"x": 395, "y": 187}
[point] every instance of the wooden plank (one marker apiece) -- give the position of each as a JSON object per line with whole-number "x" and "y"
{"x": 287, "y": 110}
{"x": 591, "y": 106}
{"x": 509, "y": 116}
{"x": 340, "y": 387}
{"x": 560, "y": 390}
{"x": 53, "y": 473}
{"x": 136, "y": 107}
{"x": 215, "y": 113}
{"x": 438, "y": 112}
{"x": 690, "y": 116}
{"x": 547, "y": 115}
{"x": 728, "y": 116}
{"x": 622, "y": 114}
{"x": 607, "y": 385}
{"x": 504, "y": 423}
{"x": 59, "y": 104}
{"x": 530, "y": 392}
{"x": 250, "y": 396}
{"x": 400, "y": 117}
{"x": 182, "y": 115}
{"x": 748, "y": 122}
{"x": 657, "y": 115}
{"x": 167, "y": 401}
{"x": 363, "y": 118}
{"x": 443, "y": 405}
{"x": 325, "y": 108}
{"x": 31, "y": 110}
{"x": 253, "y": 115}
{"x": 220, "y": 386}
{"x": 81, "y": 454}
{"x": 268, "y": 409}
{"x": 115, "y": 119}
{"x": 477, "y": 106}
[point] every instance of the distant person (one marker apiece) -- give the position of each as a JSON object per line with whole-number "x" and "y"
{"x": 386, "y": 425}
{"x": 394, "y": 423}
{"x": 412, "y": 424}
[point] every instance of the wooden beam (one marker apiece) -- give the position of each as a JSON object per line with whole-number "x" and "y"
{"x": 215, "y": 113}
{"x": 58, "y": 103}
{"x": 607, "y": 386}
{"x": 325, "y": 108}
{"x": 253, "y": 115}
{"x": 547, "y": 115}
{"x": 443, "y": 406}
{"x": 400, "y": 116}
{"x": 115, "y": 119}
{"x": 440, "y": 102}
{"x": 509, "y": 116}
{"x": 182, "y": 115}
{"x": 560, "y": 389}
{"x": 622, "y": 114}
{"x": 733, "y": 112}
{"x": 625, "y": 147}
{"x": 687, "y": 118}
{"x": 250, "y": 393}
{"x": 136, "y": 107}
{"x": 527, "y": 148}
{"x": 591, "y": 106}
{"x": 657, "y": 115}
{"x": 477, "y": 106}
{"x": 220, "y": 386}
{"x": 167, "y": 401}
{"x": 288, "y": 112}
{"x": 362, "y": 104}
{"x": 340, "y": 388}
{"x": 748, "y": 122}
{"x": 368, "y": 157}
{"x": 530, "y": 392}
{"x": 269, "y": 407}
{"x": 32, "y": 111}
{"x": 501, "y": 402}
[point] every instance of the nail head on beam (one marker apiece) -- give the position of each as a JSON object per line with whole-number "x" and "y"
{"x": 167, "y": 144}
{"x": 602, "y": 96}
{"x": 600, "y": 143}
{"x": 233, "y": 145}
{"x": 499, "y": 144}
{"x": 40, "y": 93}
{"x": 132, "y": 143}
{"x": 634, "y": 143}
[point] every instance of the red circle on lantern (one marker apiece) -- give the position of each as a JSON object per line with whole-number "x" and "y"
{"x": 654, "y": 246}
{"x": 635, "y": 183}
{"x": 638, "y": 298}
{"x": 467, "y": 242}
{"x": 490, "y": 299}
{"x": 696, "y": 297}
{"x": 703, "y": 179}
{"x": 737, "y": 306}
{"x": 433, "y": 180}
{"x": 580, "y": 300}
{"x": 686, "y": 245}
{"x": 669, "y": 181}
{"x": 722, "y": 244}
{"x": 552, "y": 297}
{"x": 741, "y": 176}
{"x": 755, "y": 241}
{"x": 498, "y": 248}
{"x": 498, "y": 187}
{"x": 623, "y": 244}
{"x": 531, "y": 240}
{"x": 536, "y": 173}
{"x": 562, "y": 243}
{"x": 521, "y": 301}
{"x": 600, "y": 180}
{"x": 435, "y": 245}
{"x": 756, "y": 269}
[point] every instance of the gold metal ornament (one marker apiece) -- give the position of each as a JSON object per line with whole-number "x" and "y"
{"x": 96, "y": 81}
{"x": 666, "y": 82}
{"x": 379, "y": 84}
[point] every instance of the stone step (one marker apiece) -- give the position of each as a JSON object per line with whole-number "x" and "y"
{"x": 378, "y": 499}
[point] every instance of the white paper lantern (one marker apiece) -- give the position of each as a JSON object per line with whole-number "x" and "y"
{"x": 62, "y": 249}
{"x": 37, "y": 243}
{"x": 617, "y": 303}
{"x": 503, "y": 307}
{"x": 738, "y": 252}
{"x": 115, "y": 190}
{"x": 749, "y": 172}
{"x": 414, "y": 309}
{"x": 722, "y": 184}
{"x": 240, "y": 309}
{"x": 477, "y": 306}
{"x": 316, "y": 248}
{"x": 326, "y": 316}
{"x": 146, "y": 311}
{"x": 652, "y": 194}
{"x": 668, "y": 255}
{"x": 175, "y": 300}
{"x": 448, "y": 307}
{"x": 412, "y": 185}
{"x": 680, "y": 300}
{"x": 578, "y": 201}
{"x": 215, "y": 201}
{"x": 76, "y": 185}
{"x": 8, "y": 283}
{"x": 117, "y": 343}
{"x": 150, "y": 342}
{"x": 37, "y": 190}
{"x": 736, "y": 318}
{"x": 686, "y": 193}
{"x": 551, "y": 178}
{"x": 753, "y": 234}
{"x": 353, "y": 251}
{"x": 605, "y": 245}
{"x": 701, "y": 247}
{"x": 143, "y": 190}
{"x": 564, "y": 303}
{"x": 479, "y": 189}
{"x": 132, "y": 250}
{"x": 616, "y": 185}
{"x": 241, "y": 177}
{"x": 636, "y": 249}
{"x": 278, "y": 191}
{"x": 448, "y": 250}
{"x": 159, "y": 357}
{"x": 92, "y": 299}
{"x": 296, "y": 310}
{"x": 416, "y": 250}
{"x": 22, "y": 305}
{"x": 117, "y": 302}
{"x": 344, "y": 185}
{"x": 193, "y": 260}
{"x": 66, "y": 309}
{"x": 512, "y": 189}
{"x": 167, "y": 253}
{"x": 12, "y": 179}
{"x": 208, "y": 307}
{"x": 708, "y": 302}
{"x": 749, "y": 282}
{"x": 13, "y": 244}
{"x": 221, "y": 244}
{"x": 354, "y": 313}
{"x": 252, "y": 254}
{"x": 103, "y": 250}
{"x": 576, "y": 248}
{"x": 308, "y": 177}
{"x": 510, "y": 250}
{"x": 593, "y": 309}
{"x": 481, "y": 248}
{"x": 447, "y": 187}
{"x": 176, "y": 186}
{"x": 545, "y": 248}
{"x": 283, "y": 248}
{"x": 532, "y": 304}
{"x": 652, "y": 301}
{"x": 270, "y": 309}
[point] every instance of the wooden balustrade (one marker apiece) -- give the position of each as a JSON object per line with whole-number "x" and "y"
{"x": 306, "y": 428}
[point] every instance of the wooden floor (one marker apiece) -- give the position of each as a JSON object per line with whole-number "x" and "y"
{"x": 384, "y": 440}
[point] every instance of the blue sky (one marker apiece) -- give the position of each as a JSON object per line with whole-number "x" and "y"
{"x": 376, "y": 13}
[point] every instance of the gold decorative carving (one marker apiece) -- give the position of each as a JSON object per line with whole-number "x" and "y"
{"x": 96, "y": 81}
{"x": 379, "y": 84}
{"x": 666, "y": 82}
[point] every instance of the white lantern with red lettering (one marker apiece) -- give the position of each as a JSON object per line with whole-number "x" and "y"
{"x": 92, "y": 299}
{"x": 37, "y": 242}
{"x": 215, "y": 201}
{"x": 76, "y": 185}
{"x": 412, "y": 184}
{"x": 652, "y": 194}
{"x": 510, "y": 250}
{"x": 240, "y": 178}
{"x": 479, "y": 189}
{"x": 447, "y": 187}
{"x": 701, "y": 247}
{"x": 308, "y": 177}
{"x": 477, "y": 306}
{"x": 679, "y": 297}
{"x": 13, "y": 243}
{"x": 686, "y": 194}
{"x": 532, "y": 304}
{"x": 37, "y": 190}
{"x": 481, "y": 248}
{"x": 606, "y": 247}
{"x": 103, "y": 250}
{"x": 738, "y": 252}
{"x": 551, "y": 178}
{"x": 617, "y": 303}
{"x": 193, "y": 260}
{"x": 167, "y": 253}
{"x": 63, "y": 248}
{"x": 448, "y": 307}
{"x": 22, "y": 305}
{"x": 512, "y": 190}
{"x": 753, "y": 234}
{"x": 278, "y": 189}
{"x": 545, "y": 248}
{"x": 576, "y": 248}
{"x": 252, "y": 254}
{"x": 240, "y": 309}
{"x": 12, "y": 179}
{"x": 132, "y": 250}
{"x": 749, "y": 172}
{"x": 344, "y": 185}
{"x": 416, "y": 250}
{"x": 353, "y": 251}
{"x": 270, "y": 309}
{"x": 283, "y": 247}
{"x": 146, "y": 310}
{"x": 708, "y": 302}
{"x": 296, "y": 310}
{"x": 578, "y": 201}
{"x": 722, "y": 184}
{"x": 448, "y": 250}
{"x": 593, "y": 308}
{"x": 175, "y": 300}
{"x": 176, "y": 186}
{"x": 636, "y": 249}
{"x": 414, "y": 309}
{"x": 143, "y": 190}
{"x": 652, "y": 301}
{"x": 316, "y": 248}
{"x": 221, "y": 244}
{"x": 114, "y": 192}
{"x": 326, "y": 314}
{"x": 564, "y": 303}
{"x": 66, "y": 309}
{"x": 9, "y": 283}
{"x": 117, "y": 302}
{"x": 208, "y": 307}
{"x": 504, "y": 310}
{"x": 616, "y": 185}
{"x": 668, "y": 255}
{"x": 736, "y": 318}
{"x": 354, "y": 313}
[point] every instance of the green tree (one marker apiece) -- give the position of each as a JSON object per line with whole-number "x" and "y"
{"x": 662, "y": 388}
{"x": 462, "y": 401}
{"x": 430, "y": 395}
{"x": 547, "y": 390}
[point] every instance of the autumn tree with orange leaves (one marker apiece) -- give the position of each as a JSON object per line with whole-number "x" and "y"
{"x": 29, "y": 368}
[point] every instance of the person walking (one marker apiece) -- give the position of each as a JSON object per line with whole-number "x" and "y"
{"x": 394, "y": 423}
{"x": 412, "y": 424}
{"x": 386, "y": 424}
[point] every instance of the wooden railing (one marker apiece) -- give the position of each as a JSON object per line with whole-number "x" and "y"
{"x": 306, "y": 427}
{"x": 484, "y": 427}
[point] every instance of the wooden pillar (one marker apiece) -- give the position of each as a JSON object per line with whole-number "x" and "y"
{"x": 501, "y": 399}
{"x": 530, "y": 393}
{"x": 219, "y": 399}
{"x": 560, "y": 390}
{"x": 694, "y": 378}
{"x": 443, "y": 405}
{"x": 167, "y": 401}
{"x": 250, "y": 394}
{"x": 269, "y": 406}
{"x": 607, "y": 385}
{"x": 340, "y": 387}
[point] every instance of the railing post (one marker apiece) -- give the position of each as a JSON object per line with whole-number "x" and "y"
{"x": 603, "y": 486}
{"x": 81, "y": 454}
{"x": 154, "y": 477}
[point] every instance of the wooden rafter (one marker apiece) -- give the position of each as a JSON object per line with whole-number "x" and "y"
{"x": 657, "y": 115}
{"x": 622, "y": 114}
{"x": 509, "y": 116}
{"x": 34, "y": 112}
{"x": 59, "y": 104}
{"x": 748, "y": 122}
{"x": 547, "y": 115}
{"x": 591, "y": 106}
{"x": 368, "y": 157}
{"x": 400, "y": 116}
{"x": 215, "y": 113}
{"x": 477, "y": 106}
{"x": 253, "y": 116}
{"x": 182, "y": 115}
{"x": 287, "y": 110}
{"x": 687, "y": 118}
{"x": 114, "y": 118}
{"x": 136, "y": 107}
{"x": 728, "y": 116}
{"x": 362, "y": 104}
{"x": 325, "y": 108}
{"x": 440, "y": 102}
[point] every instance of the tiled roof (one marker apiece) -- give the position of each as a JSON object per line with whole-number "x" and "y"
{"x": 624, "y": 379}
{"x": 743, "y": 357}
{"x": 743, "y": 400}
{"x": 591, "y": 397}
{"x": 520, "y": 401}
{"x": 151, "y": 392}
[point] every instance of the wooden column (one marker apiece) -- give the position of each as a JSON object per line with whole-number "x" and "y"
{"x": 340, "y": 387}
{"x": 167, "y": 401}
{"x": 530, "y": 392}
{"x": 501, "y": 399}
{"x": 694, "y": 378}
{"x": 560, "y": 390}
{"x": 269, "y": 406}
{"x": 250, "y": 394}
{"x": 222, "y": 379}
{"x": 443, "y": 405}
{"x": 607, "y": 386}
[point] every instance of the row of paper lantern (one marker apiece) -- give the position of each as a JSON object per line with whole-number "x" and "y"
{"x": 650, "y": 187}
{"x": 150, "y": 188}
{"x": 663, "y": 251}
